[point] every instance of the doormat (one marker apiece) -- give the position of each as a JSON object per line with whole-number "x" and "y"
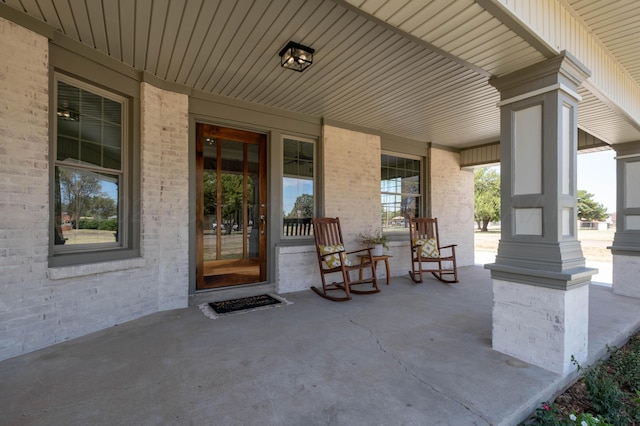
{"x": 214, "y": 310}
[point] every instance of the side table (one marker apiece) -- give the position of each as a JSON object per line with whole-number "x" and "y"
{"x": 376, "y": 259}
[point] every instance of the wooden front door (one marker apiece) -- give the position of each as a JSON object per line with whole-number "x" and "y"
{"x": 231, "y": 208}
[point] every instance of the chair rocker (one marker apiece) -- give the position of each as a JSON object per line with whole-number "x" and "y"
{"x": 332, "y": 259}
{"x": 427, "y": 253}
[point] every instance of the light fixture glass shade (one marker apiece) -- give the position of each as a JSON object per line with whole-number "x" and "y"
{"x": 296, "y": 56}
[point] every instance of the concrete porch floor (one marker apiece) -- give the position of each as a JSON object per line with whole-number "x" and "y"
{"x": 414, "y": 354}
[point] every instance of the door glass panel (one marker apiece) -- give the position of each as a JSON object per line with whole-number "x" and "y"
{"x": 230, "y": 240}
{"x": 232, "y": 200}
{"x": 210, "y": 240}
{"x": 253, "y": 161}
{"x": 234, "y": 213}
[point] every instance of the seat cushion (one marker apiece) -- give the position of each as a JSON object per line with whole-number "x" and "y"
{"x": 331, "y": 255}
{"x": 429, "y": 248}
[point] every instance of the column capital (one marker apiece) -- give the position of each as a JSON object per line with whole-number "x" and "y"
{"x": 563, "y": 70}
{"x": 628, "y": 149}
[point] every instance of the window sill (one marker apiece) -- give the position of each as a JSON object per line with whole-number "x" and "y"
{"x": 63, "y": 272}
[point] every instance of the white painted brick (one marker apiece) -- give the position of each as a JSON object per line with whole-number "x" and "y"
{"x": 165, "y": 189}
{"x": 351, "y": 178}
{"x": 296, "y": 268}
{"x": 626, "y": 270}
{"x": 452, "y": 203}
{"x": 41, "y": 306}
{"x": 541, "y": 326}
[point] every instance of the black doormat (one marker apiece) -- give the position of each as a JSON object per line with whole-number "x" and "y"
{"x": 243, "y": 303}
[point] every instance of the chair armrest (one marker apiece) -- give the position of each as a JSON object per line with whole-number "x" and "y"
{"x": 368, "y": 250}
{"x": 449, "y": 246}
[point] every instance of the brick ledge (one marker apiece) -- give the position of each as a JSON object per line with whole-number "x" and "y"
{"x": 62, "y": 272}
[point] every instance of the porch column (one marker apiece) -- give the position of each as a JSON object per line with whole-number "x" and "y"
{"x": 626, "y": 242}
{"x": 540, "y": 283}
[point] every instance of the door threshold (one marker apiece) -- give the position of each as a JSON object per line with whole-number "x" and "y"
{"x": 226, "y": 293}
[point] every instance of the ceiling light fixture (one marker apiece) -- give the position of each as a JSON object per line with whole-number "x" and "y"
{"x": 296, "y": 57}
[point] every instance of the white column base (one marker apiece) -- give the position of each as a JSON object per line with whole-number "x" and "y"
{"x": 542, "y": 326}
{"x": 626, "y": 270}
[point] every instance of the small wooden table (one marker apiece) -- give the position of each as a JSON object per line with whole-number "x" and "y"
{"x": 376, "y": 259}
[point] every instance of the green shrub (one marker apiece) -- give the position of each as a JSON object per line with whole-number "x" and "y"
{"x": 88, "y": 224}
{"x": 99, "y": 224}
{"x": 108, "y": 225}
{"x": 625, "y": 365}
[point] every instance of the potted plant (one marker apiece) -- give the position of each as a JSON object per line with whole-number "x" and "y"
{"x": 375, "y": 240}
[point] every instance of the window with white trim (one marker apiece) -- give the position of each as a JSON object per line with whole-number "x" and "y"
{"x": 89, "y": 168}
{"x": 400, "y": 188}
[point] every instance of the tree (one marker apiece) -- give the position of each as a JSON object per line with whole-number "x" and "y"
{"x": 103, "y": 206}
{"x": 302, "y": 205}
{"x": 78, "y": 188}
{"x": 232, "y": 197}
{"x": 486, "y": 197}
{"x": 589, "y": 209}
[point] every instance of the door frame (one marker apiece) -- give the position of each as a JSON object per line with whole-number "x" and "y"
{"x": 202, "y": 130}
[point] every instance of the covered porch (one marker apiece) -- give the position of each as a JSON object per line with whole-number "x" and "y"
{"x": 441, "y": 86}
{"x": 412, "y": 354}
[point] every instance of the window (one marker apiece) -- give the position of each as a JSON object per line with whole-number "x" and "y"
{"x": 297, "y": 187}
{"x": 400, "y": 191}
{"x": 89, "y": 168}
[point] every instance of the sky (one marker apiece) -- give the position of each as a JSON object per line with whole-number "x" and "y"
{"x": 597, "y": 175}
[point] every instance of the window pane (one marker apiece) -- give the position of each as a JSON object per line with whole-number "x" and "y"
{"x": 111, "y": 158}
{"x": 68, "y": 127}
{"x": 68, "y": 149}
{"x": 90, "y": 105}
{"x": 89, "y": 190}
{"x": 94, "y": 120}
{"x": 90, "y": 129}
{"x": 297, "y": 187}
{"x": 68, "y": 98}
{"x": 112, "y": 111}
{"x": 400, "y": 191}
{"x": 86, "y": 207}
{"x": 90, "y": 153}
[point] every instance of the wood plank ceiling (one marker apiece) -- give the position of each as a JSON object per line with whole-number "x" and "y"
{"x": 410, "y": 68}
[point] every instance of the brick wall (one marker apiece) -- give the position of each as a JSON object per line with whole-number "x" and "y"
{"x": 351, "y": 173}
{"x": 541, "y": 326}
{"x": 25, "y": 300}
{"x": 40, "y": 306}
{"x": 165, "y": 192}
{"x": 452, "y": 203}
{"x": 626, "y": 270}
{"x": 296, "y": 268}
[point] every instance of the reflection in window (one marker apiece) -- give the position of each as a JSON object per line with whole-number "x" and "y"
{"x": 400, "y": 191}
{"x": 297, "y": 187}
{"x": 87, "y": 211}
{"x": 88, "y": 168}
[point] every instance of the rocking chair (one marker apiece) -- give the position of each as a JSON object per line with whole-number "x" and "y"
{"x": 426, "y": 249}
{"x": 332, "y": 258}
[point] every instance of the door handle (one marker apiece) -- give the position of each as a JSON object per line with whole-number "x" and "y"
{"x": 263, "y": 221}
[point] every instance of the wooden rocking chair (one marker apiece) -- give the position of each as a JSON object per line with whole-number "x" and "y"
{"x": 426, "y": 249}
{"x": 332, "y": 258}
